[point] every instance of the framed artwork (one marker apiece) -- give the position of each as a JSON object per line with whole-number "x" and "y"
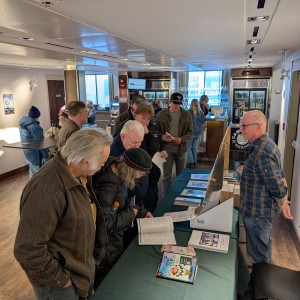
{"x": 9, "y": 107}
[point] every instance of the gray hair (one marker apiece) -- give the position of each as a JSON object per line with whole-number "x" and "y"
{"x": 133, "y": 126}
{"x": 126, "y": 173}
{"x": 85, "y": 144}
{"x": 89, "y": 103}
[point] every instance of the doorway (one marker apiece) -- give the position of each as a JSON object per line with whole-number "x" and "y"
{"x": 56, "y": 92}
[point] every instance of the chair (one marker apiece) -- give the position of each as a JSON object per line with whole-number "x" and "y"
{"x": 271, "y": 281}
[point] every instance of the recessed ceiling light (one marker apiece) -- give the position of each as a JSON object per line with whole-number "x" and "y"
{"x": 258, "y": 18}
{"x": 26, "y": 39}
{"x": 89, "y": 52}
{"x": 253, "y": 41}
{"x": 249, "y": 59}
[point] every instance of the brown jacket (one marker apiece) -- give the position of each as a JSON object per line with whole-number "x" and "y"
{"x": 56, "y": 240}
{"x": 66, "y": 131}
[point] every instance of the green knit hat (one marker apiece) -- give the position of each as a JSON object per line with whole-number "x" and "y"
{"x": 138, "y": 159}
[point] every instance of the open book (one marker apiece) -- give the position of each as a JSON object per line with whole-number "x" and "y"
{"x": 179, "y": 267}
{"x": 156, "y": 231}
{"x": 209, "y": 241}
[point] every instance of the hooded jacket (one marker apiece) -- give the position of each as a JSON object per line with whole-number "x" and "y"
{"x": 29, "y": 130}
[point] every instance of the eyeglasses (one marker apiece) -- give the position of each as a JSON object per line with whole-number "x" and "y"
{"x": 246, "y": 125}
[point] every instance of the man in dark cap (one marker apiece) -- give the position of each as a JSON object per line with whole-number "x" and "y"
{"x": 175, "y": 125}
{"x": 30, "y": 129}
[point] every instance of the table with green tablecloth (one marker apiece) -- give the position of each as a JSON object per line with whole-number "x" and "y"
{"x": 220, "y": 276}
{"x": 167, "y": 203}
{"x": 133, "y": 276}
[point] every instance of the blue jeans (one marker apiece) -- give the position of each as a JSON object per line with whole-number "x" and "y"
{"x": 32, "y": 169}
{"x": 192, "y": 149}
{"x": 259, "y": 239}
{"x": 44, "y": 293}
{"x": 167, "y": 168}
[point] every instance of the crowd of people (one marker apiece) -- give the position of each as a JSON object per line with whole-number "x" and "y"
{"x": 78, "y": 210}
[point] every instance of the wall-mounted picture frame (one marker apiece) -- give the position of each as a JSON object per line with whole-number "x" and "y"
{"x": 9, "y": 107}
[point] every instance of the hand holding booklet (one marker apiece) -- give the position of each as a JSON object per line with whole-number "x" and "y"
{"x": 156, "y": 231}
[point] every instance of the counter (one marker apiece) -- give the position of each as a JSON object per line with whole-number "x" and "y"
{"x": 103, "y": 118}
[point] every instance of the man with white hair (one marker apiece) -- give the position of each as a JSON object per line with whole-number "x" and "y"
{"x": 62, "y": 229}
{"x": 131, "y": 136}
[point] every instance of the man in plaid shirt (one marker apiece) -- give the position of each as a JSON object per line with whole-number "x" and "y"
{"x": 264, "y": 192}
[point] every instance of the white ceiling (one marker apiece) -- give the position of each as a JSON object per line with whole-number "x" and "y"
{"x": 141, "y": 35}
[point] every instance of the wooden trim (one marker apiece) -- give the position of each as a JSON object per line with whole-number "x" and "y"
{"x": 14, "y": 172}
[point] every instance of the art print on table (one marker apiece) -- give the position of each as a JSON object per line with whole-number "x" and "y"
{"x": 8, "y": 101}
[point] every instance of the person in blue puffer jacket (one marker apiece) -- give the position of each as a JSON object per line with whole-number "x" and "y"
{"x": 29, "y": 130}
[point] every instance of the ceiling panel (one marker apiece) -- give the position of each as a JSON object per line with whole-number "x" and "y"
{"x": 169, "y": 35}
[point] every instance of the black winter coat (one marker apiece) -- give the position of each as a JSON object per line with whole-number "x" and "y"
{"x": 108, "y": 189}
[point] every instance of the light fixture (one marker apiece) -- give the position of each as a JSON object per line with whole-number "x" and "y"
{"x": 48, "y": 3}
{"x": 253, "y": 41}
{"x": 285, "y": 73}
{"x": 33, "y": 84}
{"x": 26, "y": 39}
{"x": 258, "y": 18}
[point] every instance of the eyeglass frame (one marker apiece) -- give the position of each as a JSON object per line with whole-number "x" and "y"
{"x": 243, "y": 126}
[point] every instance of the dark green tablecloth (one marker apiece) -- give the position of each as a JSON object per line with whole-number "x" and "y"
{"x": 133, "y": 276}
{"x": 220, "y": 276}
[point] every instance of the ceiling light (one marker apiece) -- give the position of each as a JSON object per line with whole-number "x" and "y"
{"x": 253, "y": 41}
{"x": 26, "y": 39}
{"x": 48, "y": 2}
{"x": 249, "y": 59}
{"x": 88, "y": 52}
{"x": 258, "y": 18}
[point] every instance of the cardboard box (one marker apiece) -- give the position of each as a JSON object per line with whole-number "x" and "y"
{"x": 236, "y": 196}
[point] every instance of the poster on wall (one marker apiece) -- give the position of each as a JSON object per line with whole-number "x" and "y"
{"x": 9, "y": 107}
{"x": 123, "y": 95}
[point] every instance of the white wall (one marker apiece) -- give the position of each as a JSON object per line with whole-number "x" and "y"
{"x": 285, "y": 103}
{"x": 276, "y": 92}
{"x": 16, "y": 81}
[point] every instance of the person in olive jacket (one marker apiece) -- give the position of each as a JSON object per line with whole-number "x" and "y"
{"x": 110, "y": 186}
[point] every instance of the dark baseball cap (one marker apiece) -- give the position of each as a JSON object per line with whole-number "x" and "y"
{"x": 176, "y": 98}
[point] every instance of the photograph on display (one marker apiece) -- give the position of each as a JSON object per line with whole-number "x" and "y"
{"x": 9, "y": 107}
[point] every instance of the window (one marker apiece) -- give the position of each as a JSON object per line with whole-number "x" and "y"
{"x": 97, "y": 90}
{"x": 205, "y": 82}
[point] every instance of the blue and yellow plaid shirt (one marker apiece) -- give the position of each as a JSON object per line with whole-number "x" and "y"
{"x": 261, "y": 185}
